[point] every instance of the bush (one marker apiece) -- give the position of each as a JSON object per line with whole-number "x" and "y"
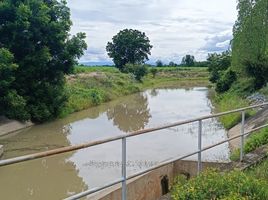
{"x": 214, "y": 185}
{"x": 96, "y": 96}
{"x": 139, "y": 71}
{"x": 16, "y": 106}
{"x": 226, "y": 80}
{"x": 258, "y": 70}
{"x": 218, "y": 63}
{"x": 153, "y": 72}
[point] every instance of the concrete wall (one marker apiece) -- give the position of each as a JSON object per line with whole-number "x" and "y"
{"x": 149, "y": 187}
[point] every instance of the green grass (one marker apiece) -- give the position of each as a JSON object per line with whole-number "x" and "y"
{"x": 230, "y": 101}
{"x": 254, "y": 141}
{"x": 259, "y": 171}
{"x": 86, "y": 90}
{"x": 91, "y": 86}
{"x": 81, "y": 69}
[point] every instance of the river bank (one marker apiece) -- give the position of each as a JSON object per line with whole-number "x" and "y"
{"x": 91, "y": 86}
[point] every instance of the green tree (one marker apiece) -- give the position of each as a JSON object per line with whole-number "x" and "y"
{"x": 11, "y": 104}
{"x": 250, "y": 43}
{"x": 172, "y": 64}
{"x": 37, "y": 34}
{"x": 217, "y": 64}
{"x": 159, "y": 63}
{"x": 188, "y": 60}
{"x": 129, "y": 46}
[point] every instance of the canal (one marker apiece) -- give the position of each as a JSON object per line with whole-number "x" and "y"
{"x": 60, "y": 176}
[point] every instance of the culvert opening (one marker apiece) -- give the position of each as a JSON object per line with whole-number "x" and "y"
{"x": 165, "y": 185}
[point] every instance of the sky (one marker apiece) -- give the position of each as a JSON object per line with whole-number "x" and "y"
{"x": 174, "y": 27}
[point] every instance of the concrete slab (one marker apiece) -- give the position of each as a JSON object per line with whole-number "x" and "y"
{"x": 253, "y": 122}
{"x": 9, "y": 126}
{"x": 1, "y": 150}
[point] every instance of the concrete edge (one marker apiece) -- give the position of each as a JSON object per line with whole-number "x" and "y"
{"x": 13, "y": 126}
{"x": 1, "y": 150}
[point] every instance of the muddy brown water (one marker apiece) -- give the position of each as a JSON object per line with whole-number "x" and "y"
{"x": 60, "y": 176}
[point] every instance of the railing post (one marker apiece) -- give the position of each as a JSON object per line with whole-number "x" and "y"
{"x": 242, "y": 136}
{"x": 124, "y": 168}
{"x": 199, "y": 165}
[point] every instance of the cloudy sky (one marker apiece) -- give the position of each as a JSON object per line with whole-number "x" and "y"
{"x": 175, "y": 27}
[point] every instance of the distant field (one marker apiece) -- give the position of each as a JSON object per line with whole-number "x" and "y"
{"x": 85, "y": 69}
{"x": 88, "y": 69}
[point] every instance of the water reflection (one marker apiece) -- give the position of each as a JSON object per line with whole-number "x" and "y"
{"x": 68, "y": 173}
{"x": 131, "y": 115}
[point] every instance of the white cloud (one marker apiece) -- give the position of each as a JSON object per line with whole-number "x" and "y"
{"x": 174, "y": 27}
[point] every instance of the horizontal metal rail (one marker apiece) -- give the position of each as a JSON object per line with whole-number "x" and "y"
{"x": 136, "y": 133}
{"x": 170, "y": 161}
{"x": 94, "y": 190}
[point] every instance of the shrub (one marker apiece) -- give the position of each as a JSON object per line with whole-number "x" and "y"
{"x": 153, "y": 72}
{"x": 96, "y": 96}
{"x": 17, "y": 106}
{"x": 226, "y": 80}
{"x": 214, "y": 185}
{"x": 217, "y": 63}
{"x": 138, "y": 71}
{"x": 258, "y": 69}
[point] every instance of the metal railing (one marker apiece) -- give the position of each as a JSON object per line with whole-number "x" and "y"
{"x": 123, "y": 138}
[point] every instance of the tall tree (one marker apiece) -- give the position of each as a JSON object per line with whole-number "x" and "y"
{"x": 36, "y": 32}
{"x": 159, "y": 63}
{"x": 129, "y": 46}
{"x": 250, "y": 57}
{"x": 188, "y": 60}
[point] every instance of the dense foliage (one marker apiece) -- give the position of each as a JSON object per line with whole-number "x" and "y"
{"x": 217, "y": 64}
{"x": 214, "y": 185}
{"x": 129, "y": 46}
{"x": 220, "y": 72}
{"x": 250, "y": 43}
{"x": 37, "y": 51}
{"x": 11, "y": 104}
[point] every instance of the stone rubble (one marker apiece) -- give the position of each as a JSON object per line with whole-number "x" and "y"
{"x": 256, "y": 99}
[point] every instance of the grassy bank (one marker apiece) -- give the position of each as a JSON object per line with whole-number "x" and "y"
{"x": 229, "y": 101}
{"x": 235, "y": 185}
{"x": 252, "y": 143}
{"x": 91, "y": 86}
